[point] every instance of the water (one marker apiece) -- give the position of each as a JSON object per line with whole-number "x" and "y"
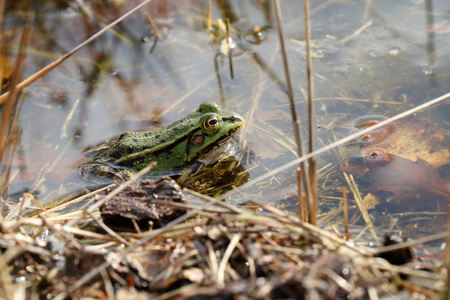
{"x": 127, "y": 80}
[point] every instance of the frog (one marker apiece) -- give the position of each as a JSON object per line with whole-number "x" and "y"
{"x": 183, "y": 146}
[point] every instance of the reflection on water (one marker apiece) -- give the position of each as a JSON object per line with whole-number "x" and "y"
{"x": 377, "y": 60}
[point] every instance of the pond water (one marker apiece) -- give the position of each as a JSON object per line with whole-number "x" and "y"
{"x": 370, "y": 62}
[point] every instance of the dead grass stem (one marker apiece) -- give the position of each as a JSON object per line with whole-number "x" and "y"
{"x": 295, "y": 121}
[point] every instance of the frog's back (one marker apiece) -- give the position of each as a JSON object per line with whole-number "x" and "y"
{"x": 152, "y": 142}
{"x": 158, "y": 140}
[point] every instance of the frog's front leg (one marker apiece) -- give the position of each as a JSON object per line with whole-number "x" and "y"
{"x": 94, "y": 172}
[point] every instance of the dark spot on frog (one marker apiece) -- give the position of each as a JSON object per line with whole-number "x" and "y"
{"x": 128, "y": 163}
{"x": 157, "y": 136}
{"x": 176, "y": 128}
{"x": 116, "y": 155}
{"x": 147, "y": 134}
{"x": 144, "y": 147}
{"x": 231, "y": 131}
{"x": 136, "y": 140}
{"x": 162, "y": 140}
{"x": 198, "y": 140}
{"x": 130, "y": 149}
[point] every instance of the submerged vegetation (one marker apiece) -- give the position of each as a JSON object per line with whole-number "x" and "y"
{"x": 364, "y": 87}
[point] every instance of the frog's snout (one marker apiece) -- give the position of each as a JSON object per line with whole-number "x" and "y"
{"x": 236, "y": 127}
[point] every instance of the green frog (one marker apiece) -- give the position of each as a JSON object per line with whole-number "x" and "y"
{"x": 198, "y": 139}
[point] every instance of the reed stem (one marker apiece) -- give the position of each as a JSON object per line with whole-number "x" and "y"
{"x": 295, "y": 119}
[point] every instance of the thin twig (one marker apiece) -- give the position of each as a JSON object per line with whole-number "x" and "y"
{"x": 68, "y": 119}
{"x": 4, "y": 42}
{"x": 2, "y": 11}
{"x": 310, "y": 86}
{"x": 212, "y": 260}
{"x": 229, "y": 48}
{"x": 8, "y": 108}
{"x": 356, "y": 33}
{"x": 427, "y": 239}
{"x": 156, "y": 32}
{"x": 309, "y": 80}
{"x": 64, "y": 204}
{"x": 305, "y": 204}
{"x": 446, "y": 294}
{"x": 13, "y": 135}
{"x": 366, "y": 10}
{"x": 359, "y": 201}
{"x": 60, "y": 60}
{"x": 344, "y": 200}
{"x": 208, "y": 16}
{"x": 380, "y": 263}
{"x": 107, "y": 229}
{"x": 108, "y": 285}
{"x": 224, "y": 261}
{"x": 89, "y": 234}
{"x": 299, "y": 195}
{"x": 230, "y": 208}
{"x": 295, "y": 120}
{"x": 6, "y": 127}
{"x": 312, "y": 172}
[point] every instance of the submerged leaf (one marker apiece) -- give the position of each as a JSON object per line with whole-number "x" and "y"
{"x": 403, "y": 166}
{"x": 406, "y": 185}
{"x": 410, "y": 138}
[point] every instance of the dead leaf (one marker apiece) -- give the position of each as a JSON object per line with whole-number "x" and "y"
{"x": 411, "y": 138}
{"x": 370, "y": 201}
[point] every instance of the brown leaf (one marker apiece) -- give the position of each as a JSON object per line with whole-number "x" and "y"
{"x": 370, "y": 201}
{"x": 410, "y": 138}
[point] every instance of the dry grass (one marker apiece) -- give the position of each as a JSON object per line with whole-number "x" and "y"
{"x": 216, "y": 250}
{"x": 232, "y": 252}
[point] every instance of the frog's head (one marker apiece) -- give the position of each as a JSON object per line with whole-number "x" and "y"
{"x": 215, "y": 127}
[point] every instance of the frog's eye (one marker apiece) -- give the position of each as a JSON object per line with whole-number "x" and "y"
{"x": 212, "y": 123}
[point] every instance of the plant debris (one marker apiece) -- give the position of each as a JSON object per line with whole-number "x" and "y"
{"x": 135, "y": 205}
{"x": 396, "y": 257}
{"x": 228, "y": 253}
